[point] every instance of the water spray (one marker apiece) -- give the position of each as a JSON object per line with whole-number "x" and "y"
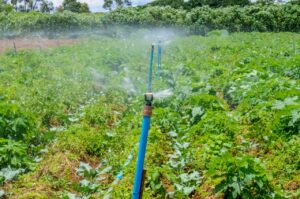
{"x": 140, "y": 172}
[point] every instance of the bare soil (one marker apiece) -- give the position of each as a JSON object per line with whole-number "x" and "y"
{"x": 33, "y": 43}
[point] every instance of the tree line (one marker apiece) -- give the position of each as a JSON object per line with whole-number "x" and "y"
{"x": 191, "y": 4}
{"x": 200, "y": 20}
{"x": 44, "y": 6}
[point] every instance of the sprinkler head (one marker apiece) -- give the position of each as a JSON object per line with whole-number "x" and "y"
{"x": 149, "y": 98}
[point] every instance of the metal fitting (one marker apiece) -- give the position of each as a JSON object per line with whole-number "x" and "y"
{"x": 147, "y": 110}
{"x": 149, "y": 98}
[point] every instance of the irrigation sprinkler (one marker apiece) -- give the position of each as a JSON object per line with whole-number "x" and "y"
{"x": 140, "y": 172}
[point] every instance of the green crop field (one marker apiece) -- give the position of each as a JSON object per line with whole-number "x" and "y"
{"x": 226, "y": 117}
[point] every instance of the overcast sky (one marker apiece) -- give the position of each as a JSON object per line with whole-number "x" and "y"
{"x": 96, "y": 5}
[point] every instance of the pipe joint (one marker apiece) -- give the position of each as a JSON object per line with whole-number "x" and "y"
{"x": 147, "y": 110}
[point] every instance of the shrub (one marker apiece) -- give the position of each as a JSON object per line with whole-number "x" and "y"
{"x": 202, "y": 19}
{"x": 216, "y": 122}
{"x": 15, "y": 123}
{"x": 196, "y": 105}
{"x": 241, "y": 177}
{"x": 14, "y": 154}
{"x": 287, "y": 121}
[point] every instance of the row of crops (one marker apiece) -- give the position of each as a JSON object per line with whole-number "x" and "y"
{"x": 198, "y": 20}
{"x": 226, "y": 123}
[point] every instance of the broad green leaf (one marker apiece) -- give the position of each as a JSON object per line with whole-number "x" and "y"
{"x": 260, "y": 183}
{"x": 221, "y": 187}
{"x": 236, "y": 189}
{"x": 188, "y": 190}
{"x": 2, "y": 193}
{"x": 295, "y": 117}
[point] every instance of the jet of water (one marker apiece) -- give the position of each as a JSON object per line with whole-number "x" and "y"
{"x": 163, "y": 94}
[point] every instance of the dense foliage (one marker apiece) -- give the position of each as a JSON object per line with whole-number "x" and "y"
{"x": 23, "y": 23}
{"x": 74, "y": 6}
{"x": 44, "y": 6}
{"x": 199, "y": 20}
{"x": 109, "y": 4}
{"x": 202, "y": 19}
{"x": 225, "y": 125}
{"x": 4, "y": 7}
{"x": 190, "y": 4}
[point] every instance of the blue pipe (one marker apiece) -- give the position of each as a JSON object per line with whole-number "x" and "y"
{"x": 136, "y": 194}
{"x": 141, "y": 158}
{"x": 150, "y": 69}
{"x": 158, "y": 58}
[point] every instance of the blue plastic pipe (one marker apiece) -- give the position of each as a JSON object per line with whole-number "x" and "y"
{"x": 141, "y": 158}
{"x": 136, "y": 194}
{"x": 149, "y": 83}
{"x": 158, "y": 57}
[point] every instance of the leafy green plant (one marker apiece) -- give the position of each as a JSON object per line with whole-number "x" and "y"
{"x": 216, "y": 122}
{"x": 287, "y": 121}
{"x": 187, "y": 183}
{"x": 8, "y": 174}
{"x": 215, "y": 146}
{"x": 85, "y": 187}
{"x": 166, "y": 119}
{"x": 156, "y": 184}
{"x": 196, "y": 105}
{"x": 240, "y": 177}
{"x": 90, "y": 182}
{"x": 14, "y": 154}
{"x": 86, "y": 170}
{"x": 15, "y": 123}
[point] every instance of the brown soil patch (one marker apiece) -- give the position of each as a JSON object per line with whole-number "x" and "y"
{"x": 33, "y": 43}
{"x": 292, "y": 185}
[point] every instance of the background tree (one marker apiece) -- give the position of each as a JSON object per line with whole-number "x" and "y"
{"x": 295, "y": 2}
{"x": 14, "y": 3}
{"x": 193, "y": 4}
{"x": 265, "y": 2}
{"x": 224, "y": 3}
{"x": 197, "y": 3}
{"x": 32, "y": 5}
{"x": 84, "y": 8}
{"x": 173, "y": 3}
{"x": 5, "y": 7}
{"x": 46, "y": 7}
{"x": 74, "y": 6}
{"x": 24, "y": 8}
{"x": 109, "y": 4}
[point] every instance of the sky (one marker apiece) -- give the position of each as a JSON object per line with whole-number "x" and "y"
{"x": 96, "y": 5}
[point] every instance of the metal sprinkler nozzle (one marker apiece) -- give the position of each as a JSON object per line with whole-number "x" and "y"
{"x": 149, "y": 98}
{"x": 148, "y": 104}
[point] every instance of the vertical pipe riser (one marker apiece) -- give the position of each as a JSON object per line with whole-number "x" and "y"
{"x": 158, "y": 59}
{"x": 136, "y": 193}
{"x": 150, "y": 69}
{"x": 141, "y": 157}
